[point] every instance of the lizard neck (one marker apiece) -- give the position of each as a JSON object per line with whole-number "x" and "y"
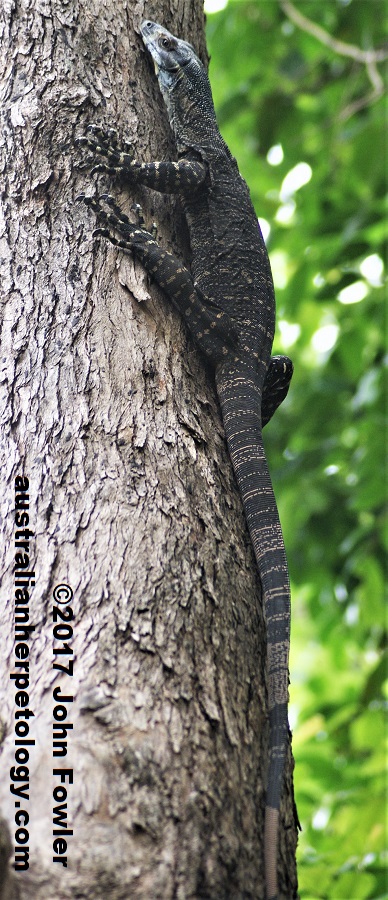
{"x": 190, "y": 111}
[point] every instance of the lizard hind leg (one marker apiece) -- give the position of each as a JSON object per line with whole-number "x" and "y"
{"x": 276, "y": 384}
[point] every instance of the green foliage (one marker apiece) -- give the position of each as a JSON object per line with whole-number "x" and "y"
{"x": 277, "y": 86}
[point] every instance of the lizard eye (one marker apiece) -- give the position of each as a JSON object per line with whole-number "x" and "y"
{"x": 167, "y": 44}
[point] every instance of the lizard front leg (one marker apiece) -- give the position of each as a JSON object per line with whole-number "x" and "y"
{"x": 168, "y": 177}
{"x": 210, "y": 327}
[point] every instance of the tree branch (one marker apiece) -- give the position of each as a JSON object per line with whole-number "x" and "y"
{"x": 368, "y": 58}
{"x": 362, "y": 56}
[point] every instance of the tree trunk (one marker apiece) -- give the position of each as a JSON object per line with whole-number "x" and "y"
{"x": 125, "y": 546}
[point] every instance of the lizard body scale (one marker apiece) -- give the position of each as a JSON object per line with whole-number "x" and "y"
{"x": 227, "y": 301}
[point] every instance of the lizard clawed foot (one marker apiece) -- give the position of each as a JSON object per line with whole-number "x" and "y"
{"x": 132, "y": 236}
{"x": 119, "y": 156}
{"x": 141, "y": 222}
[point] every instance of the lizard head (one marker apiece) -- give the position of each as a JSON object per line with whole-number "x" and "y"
{"x": 170, "y": 55}
{"x": 182, "y": 80}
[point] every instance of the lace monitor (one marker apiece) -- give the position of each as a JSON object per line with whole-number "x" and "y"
{"x": 227, "y": 301}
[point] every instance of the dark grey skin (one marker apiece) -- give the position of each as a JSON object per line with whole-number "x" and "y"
{"x": 227, "y": 301}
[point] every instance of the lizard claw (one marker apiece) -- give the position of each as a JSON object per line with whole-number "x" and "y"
{"x": 139, "y": 214}
{"x": 101, "y": 232}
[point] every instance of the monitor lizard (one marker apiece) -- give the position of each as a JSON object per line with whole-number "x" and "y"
{"x": 227, "y": 301}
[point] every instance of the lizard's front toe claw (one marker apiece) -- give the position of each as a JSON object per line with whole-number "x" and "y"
{"x": 137, "y": 209}
{"x": 100, "y": 167}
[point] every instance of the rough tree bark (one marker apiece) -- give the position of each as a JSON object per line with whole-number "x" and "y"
{"x": 109, "y": 413}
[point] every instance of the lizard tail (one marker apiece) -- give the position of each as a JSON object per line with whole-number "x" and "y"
{"x": 239, "y": 393}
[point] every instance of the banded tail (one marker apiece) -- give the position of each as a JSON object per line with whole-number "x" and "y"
{"x": 239, "y": 393}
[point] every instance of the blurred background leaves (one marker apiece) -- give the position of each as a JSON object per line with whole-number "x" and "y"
{"x": 307, "y": 122}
